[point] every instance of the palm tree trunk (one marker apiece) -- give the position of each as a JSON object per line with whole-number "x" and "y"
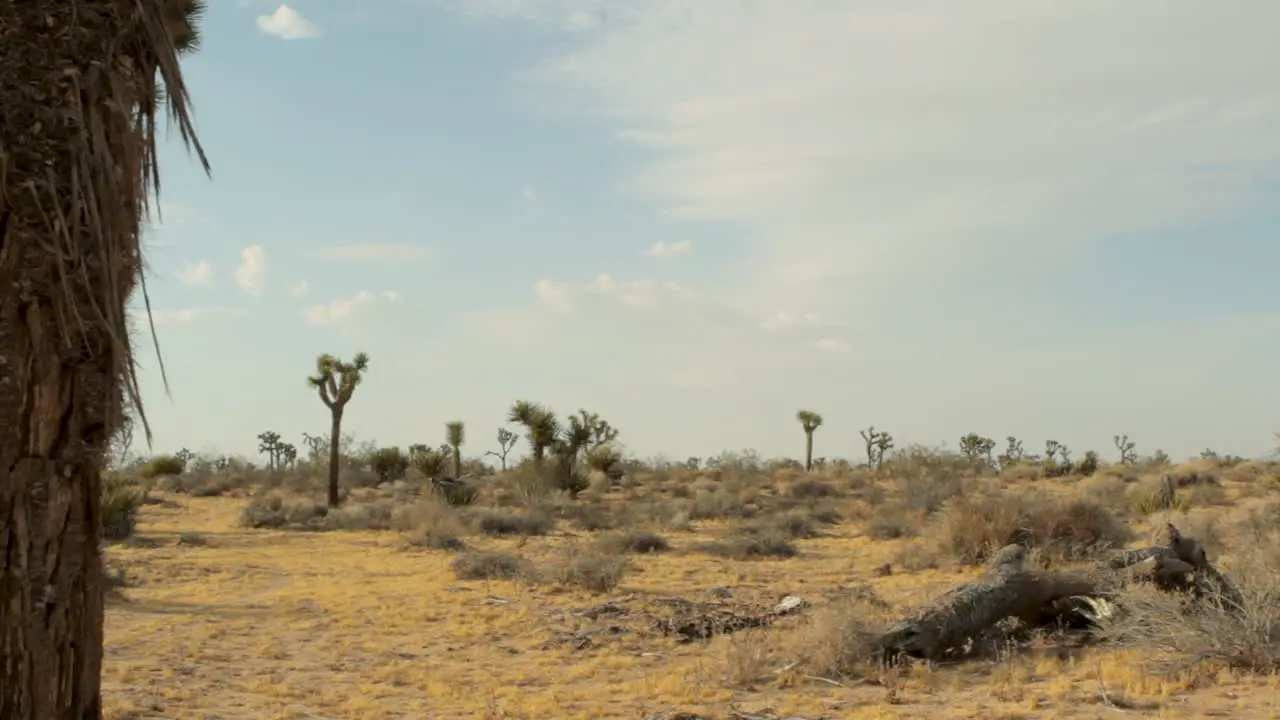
{"x": 808, "y": 451}
{"x": 53, "y": 435}
{"x": 335, "y": 437}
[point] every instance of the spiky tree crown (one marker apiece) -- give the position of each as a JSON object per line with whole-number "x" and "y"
{"x": 337, "y": 380}
{"x": 809, "y": 419}
{"x": 454, "y": 432}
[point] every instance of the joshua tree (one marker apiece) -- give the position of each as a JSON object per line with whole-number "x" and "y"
{"x": 1013, "y": 452}
{"x": 269, "y": 445}
{"x": 540, "y": 424}
{"x": 976, "y": 447}
{"x": 1126, "y": 447}
{"x": 335, "y": 381}
{"x": 810, "y": 421}
{"x": 83, "y": 86}
{"x": 601, "y": 431}
{"x": 566, "y": 447}
{"x": 506, "y": 441}
{"x": 287, "y": 455}
{"x": 454, "y": 434}
{"x": 878, "y": 443}
{"x": 316, "y": 446}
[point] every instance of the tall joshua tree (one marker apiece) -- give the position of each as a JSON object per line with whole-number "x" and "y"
{"x": 540, "y": 424}
{"x": 454, "y": 434}
{"x": 336, "y": 380}
{"x": 82, "y": 83}
{"x": 810, "y": 421}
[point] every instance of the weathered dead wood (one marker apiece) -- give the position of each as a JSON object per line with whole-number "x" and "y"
{"x": 706, "y": 623}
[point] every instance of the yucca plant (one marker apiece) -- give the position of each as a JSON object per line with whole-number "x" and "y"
{"x": 454, "y": 435}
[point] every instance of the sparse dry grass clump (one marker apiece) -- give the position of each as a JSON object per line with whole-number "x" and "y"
{"x": 751, "y": 543}
{"x": 969, "y": 528}
{"x": 491, "y": 565}
{"x": 502, "y": 522}
{"x": 430, "y": 524}
{"x": 1176, "y": 636}
{"x": 641, "y": 542}
{"x": 121, "y": 501}
{"x": 588, "y": 569}
{"x": 840, "y": 639}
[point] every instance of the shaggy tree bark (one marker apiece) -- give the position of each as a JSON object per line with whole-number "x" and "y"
{"x": 335, "y": 437}
{"x": 79, "y": 93}
{"x": 54, "y": 411}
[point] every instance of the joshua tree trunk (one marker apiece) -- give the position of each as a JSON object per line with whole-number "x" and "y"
{"x": 808, "y": 451}
{"x": 457, "y": 462}
{"x": 52, "y": 439}
{"x": 335, "y": 436}
{"x": 78, "y": 104}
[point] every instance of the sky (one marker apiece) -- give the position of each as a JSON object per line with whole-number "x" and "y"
{"x": 1039, "y": 219}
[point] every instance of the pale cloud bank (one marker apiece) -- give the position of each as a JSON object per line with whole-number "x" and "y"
{"x": 669, "y": 250}
{"x": 288, "y": 24}
{"x": 375, "y": 252}
{"x": 196, "y": 274}
{"x": 343, "y": 309}
{"x": 251, "y": 274}
{"x": 854, "y": 144}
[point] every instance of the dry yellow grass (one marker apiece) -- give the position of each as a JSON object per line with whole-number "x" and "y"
{"x": 271, "y": 624}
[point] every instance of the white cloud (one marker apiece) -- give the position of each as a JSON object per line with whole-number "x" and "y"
{"x": 297, "y": 289}
{"x": 375, "y": 252}
{"x": 554, "y": 296}
{"x": 849, "y": 140}
{"x": 340, "y": 310}
{"x": 835, "y": 345}
{"x": 288, "y": 24}
{"x": 251, "y": 275}
{"x": 669, "y": 250}
{"x": 199, "y": 273}
{"x": 181, "y": 316}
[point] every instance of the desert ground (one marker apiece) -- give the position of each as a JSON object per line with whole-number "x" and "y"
{"x": 237, "y": 594}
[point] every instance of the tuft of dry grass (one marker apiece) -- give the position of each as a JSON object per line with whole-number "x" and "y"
{"x": 491, "y": 565}
{"x": 501, "y": 522}
{"x": 430, "y": 524}
{"x": 640, "y": 542}
{"x": 751, "y": 545}
{"x": 588, "y": 569}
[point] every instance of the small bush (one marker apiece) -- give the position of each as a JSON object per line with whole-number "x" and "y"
{"x": 970, "y": 528}
{"x": 893, "y": 522}
{"x": 589, "y": 570}
{"x": 751, "y": 546}
{"x": 163, "y": 465}
{"x": 457, "y": 494}
{"x": 429, "y": 524}
{"x": 840, "y": 642}
{"x": 811, "y": 489}
{"x": 272, "y": 510}
{"x": 120, "y": 504}
{"x": 491, "y": 565}
{"x": 497, "y": 522}
{"x": 636, "y": 541}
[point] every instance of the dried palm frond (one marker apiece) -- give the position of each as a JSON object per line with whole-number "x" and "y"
{"x": 81, "y": 85}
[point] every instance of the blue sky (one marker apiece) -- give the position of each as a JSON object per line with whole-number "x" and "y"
{"x": 698, "y": 218}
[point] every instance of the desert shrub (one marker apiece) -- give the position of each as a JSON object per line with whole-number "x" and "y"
{"x": 969, "y": 528}
{"x": 591, "y": 517}
{"x": 811, "y": 488}
{"x": 751, "y": 546}
{"x": 374, "y": 514}
{"x": 893, "y": 522}
{"x": 1106, "y": 490}
{"x": 457, "y": 494}
{"x": 1173, "y": 639}
{"x": 1155, "y": 494}
{"x": 163, "y": 465}
{"x": 429, "y": 524}
{"x": 273, "y": 510}
{"x": 1089, "y": 464}
{"x": 589, "y": 570}
{"x": 840, "y": 640}
{"x": 199, "y": 484}
{"x": 719, "y": 504}
{"x": 793, "y": 525}
{"x": 389, "y": 463}
{"x": 633, "y": 541}
{"x": 491, "y": 565}
{"x": 120, "y": 504}
{"x": 825, "y": 515}
{"x": 499, "y": 522}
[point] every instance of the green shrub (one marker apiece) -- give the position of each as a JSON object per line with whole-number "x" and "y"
{"x": 120, "y": 504}
{"x": 163, "y": 465}
{"x": 390, "y": 463}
